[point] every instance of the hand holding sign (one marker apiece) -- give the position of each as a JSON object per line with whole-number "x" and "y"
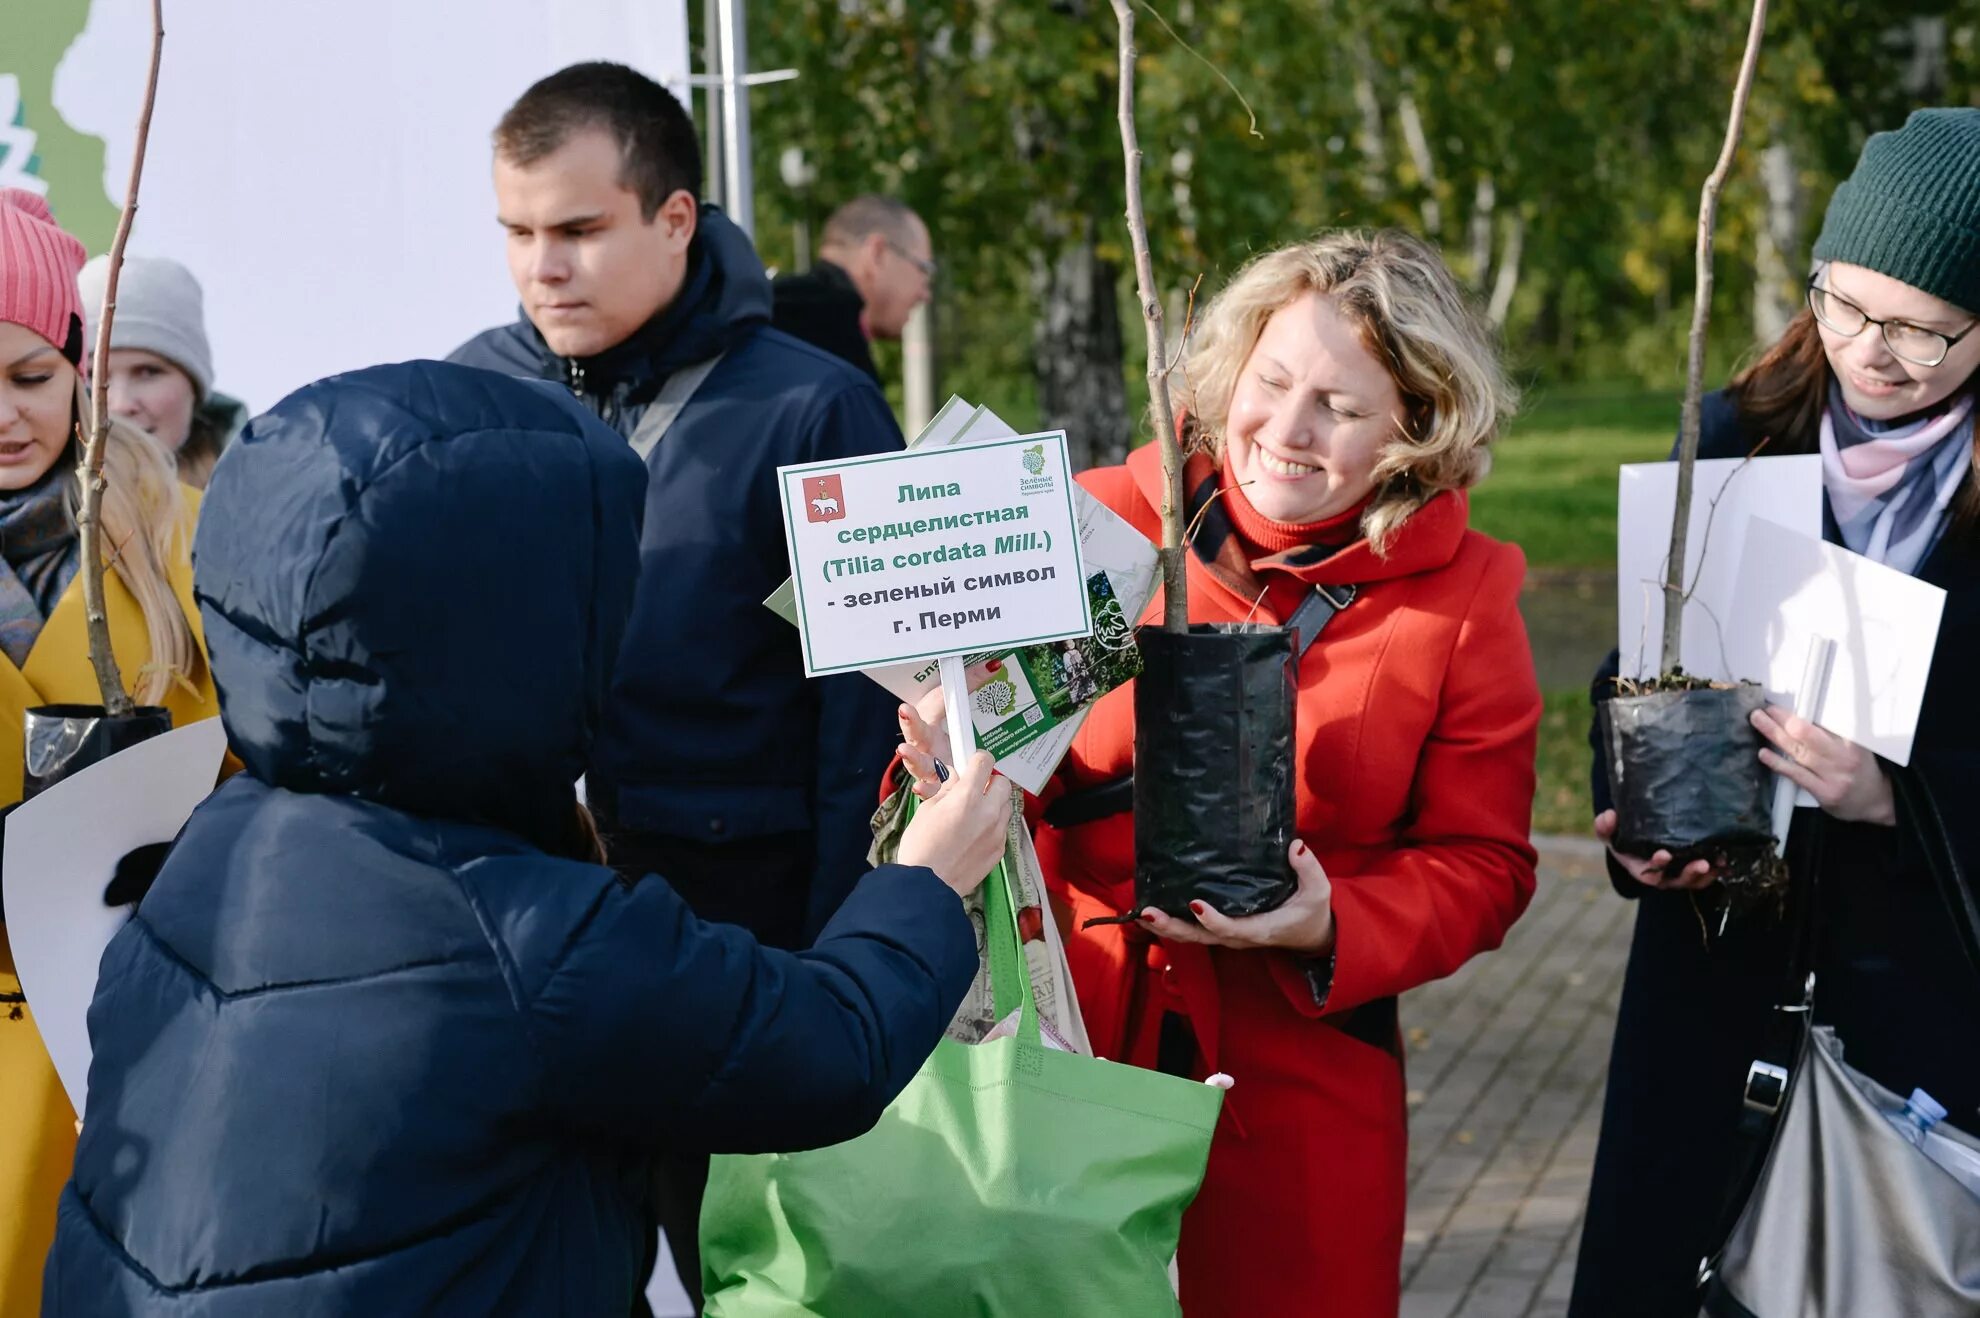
{"x": 935, "y": 555}
{"x": 960, "y": 830}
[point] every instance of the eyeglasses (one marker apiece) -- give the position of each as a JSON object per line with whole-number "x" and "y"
{"x": 1913, "y": 343}
{"x": 927, "y": 268}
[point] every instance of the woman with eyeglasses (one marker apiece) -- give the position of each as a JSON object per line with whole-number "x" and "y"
{"x": 1876, "y": 374}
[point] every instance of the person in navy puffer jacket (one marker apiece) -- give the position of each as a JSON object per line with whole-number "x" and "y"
{"x": 384, "y": 1037}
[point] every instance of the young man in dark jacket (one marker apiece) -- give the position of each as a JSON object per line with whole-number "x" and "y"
{"x": 717, "y": 764}
{"x": 384, "y": 1038}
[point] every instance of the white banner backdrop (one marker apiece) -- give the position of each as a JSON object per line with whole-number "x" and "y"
{"x": 322, "y": 166}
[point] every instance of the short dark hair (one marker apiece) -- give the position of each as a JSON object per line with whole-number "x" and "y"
{"x": 889, "y": 217}
{"x": 656, "y": 138}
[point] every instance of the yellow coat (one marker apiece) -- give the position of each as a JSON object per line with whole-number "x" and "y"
{"x": 37, "y": 1125}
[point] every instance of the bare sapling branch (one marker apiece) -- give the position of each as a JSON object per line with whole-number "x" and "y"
{"x": 1175, "y": 609}
{"x": 1701, "y": 311}
{"x": 89, "y": 517}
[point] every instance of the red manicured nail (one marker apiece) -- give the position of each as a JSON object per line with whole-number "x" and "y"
{"x": 994, "y": 666}
{"x": 1148, "y": 916}
{"x": 1196, "y": 907}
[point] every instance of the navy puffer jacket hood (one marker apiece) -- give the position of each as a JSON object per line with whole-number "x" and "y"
{"x": 365, "y": 1048}
{"x": 436, "y": 630}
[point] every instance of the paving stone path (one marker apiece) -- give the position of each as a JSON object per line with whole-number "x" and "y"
{"x": 1506, "y": 1065}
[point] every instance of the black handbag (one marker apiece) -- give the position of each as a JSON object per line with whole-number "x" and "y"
{"x": 1847, "y": 1217}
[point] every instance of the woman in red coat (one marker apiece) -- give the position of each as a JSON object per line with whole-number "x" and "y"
{"x": 1341, "y": 394}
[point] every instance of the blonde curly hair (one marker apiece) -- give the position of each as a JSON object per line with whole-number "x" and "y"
{"x": 144, "y": 532}
{"x": 1442, "y": 354}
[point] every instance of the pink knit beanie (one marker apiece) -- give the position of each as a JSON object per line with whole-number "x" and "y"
{"x": 38, "y": 266}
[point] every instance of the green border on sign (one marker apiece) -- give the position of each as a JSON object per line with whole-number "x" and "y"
{"x": 799, "y": 469}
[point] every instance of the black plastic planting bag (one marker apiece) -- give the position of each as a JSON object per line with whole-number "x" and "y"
{"x": 1685, "y": 772}
{"x": 66, "y": 739}
{"x": 1213, "y": 768}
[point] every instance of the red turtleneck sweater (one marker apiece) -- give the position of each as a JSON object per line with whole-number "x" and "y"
{"x": 1263, "y": 537}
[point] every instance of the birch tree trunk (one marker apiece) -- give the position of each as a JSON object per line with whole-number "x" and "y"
{"x": 1078, "y": 351}
{"x": 1776, "y": 285}
{"x": 1418, "y": 142}
{"x": 1484, "y": 201}
{"x": 1506, "y": 284}
{"x": 1372, "y": 137}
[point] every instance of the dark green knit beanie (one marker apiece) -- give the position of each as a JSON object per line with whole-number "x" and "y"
{"x": 1911, "y": 210}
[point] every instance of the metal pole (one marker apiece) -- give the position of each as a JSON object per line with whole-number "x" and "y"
{"x": 918, "y": 368}
{"x": 711, "y": 100}
{"x": 738, "y": 191}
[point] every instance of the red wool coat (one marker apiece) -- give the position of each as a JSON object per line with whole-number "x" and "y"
{"x": 1417, "y": 714}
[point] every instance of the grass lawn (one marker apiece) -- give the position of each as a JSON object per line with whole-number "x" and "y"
{"x": 1552, "y": 489}
{"x": 1560, "y": 804}
{"x": 1553, "y": 492}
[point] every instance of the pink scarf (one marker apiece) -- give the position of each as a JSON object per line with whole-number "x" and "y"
{"x": 1889, "y": 485}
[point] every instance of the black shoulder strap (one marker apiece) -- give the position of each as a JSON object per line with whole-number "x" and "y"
{"x": 1919, "y": 817}
{"x": 1782, "y": 1046}
{"x": 1117, "y": 795}
{"x": 1315, "y": 612}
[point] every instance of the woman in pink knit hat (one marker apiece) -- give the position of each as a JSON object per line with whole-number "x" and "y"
{"x": 44, "y": 654}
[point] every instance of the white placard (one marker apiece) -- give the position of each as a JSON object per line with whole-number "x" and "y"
{"x": 322, "y": 166}
{"x": 917, "y": 555}
{"x": 1108, "y": 543}
{"x": 62, "y": 848}
{"x": 1727, "y": 494}
{"x": 1794, "y": 588}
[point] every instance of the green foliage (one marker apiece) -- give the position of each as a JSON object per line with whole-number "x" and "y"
{"x": 1561, "y": 802}
{"x": 1595, "y": 124}
{"x": 1552, "y": 488}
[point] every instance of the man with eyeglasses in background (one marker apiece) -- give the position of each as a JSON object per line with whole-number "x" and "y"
{"x": 875, "y": 266}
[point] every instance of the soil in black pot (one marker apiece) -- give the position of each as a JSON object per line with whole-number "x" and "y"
{"x": 65, "y": 739}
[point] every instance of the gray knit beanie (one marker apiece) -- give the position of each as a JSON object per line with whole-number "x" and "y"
{"x": 1911, "y": 207}
{"x": 159, "y": 309}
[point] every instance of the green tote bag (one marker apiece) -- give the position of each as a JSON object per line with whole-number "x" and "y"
{"x": 1008, "y": 1180}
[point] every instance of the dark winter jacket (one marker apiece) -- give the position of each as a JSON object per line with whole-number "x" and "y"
{"x": 1890, "y": 976}
{"x": 712, "y": 733}
{"x": 823, "y": 307}
{"x": 369, "y": 1047}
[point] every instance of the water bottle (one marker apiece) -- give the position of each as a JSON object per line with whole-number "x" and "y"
{"x": 1921, "y": 1113}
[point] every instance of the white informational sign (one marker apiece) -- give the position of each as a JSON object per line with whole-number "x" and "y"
{"x": 1109, "y": 545}
{"x": 919, "y": 555}
{"x": 63, "y": 847}
{"x": 322, "y": 166}
{"x": 1728, "y": 493}
{"x": 1885, "y": 623}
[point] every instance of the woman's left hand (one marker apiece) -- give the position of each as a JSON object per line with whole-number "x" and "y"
{"x": 1305, "y": 924}
{"x": 1845, "y": 780}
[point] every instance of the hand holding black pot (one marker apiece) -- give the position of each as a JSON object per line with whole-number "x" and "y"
{"x": 1649, "y": 870}
{"x": 1304, "y": 924}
